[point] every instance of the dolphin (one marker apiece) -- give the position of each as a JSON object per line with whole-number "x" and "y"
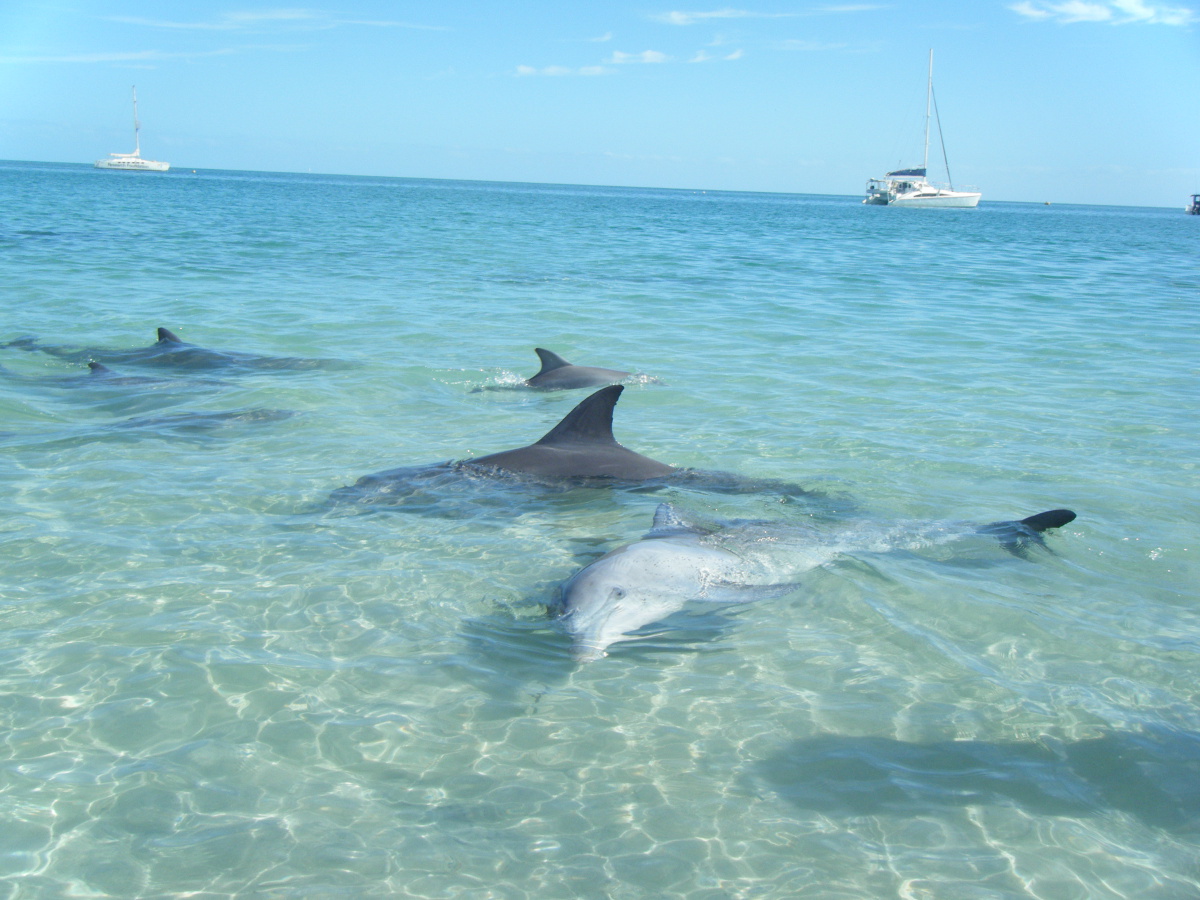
{"x": 169, "y": 351}
{"x": 101, "y": 376}
{"x": 579, "y": 451}
{"x": 559, "y": 375}
{"x": 680, "y": 562}
{"x": 199, "y": 422}
{"x": 98, "y": 373}
{"x": 193, "y": 426}
{"x": 580, "y": 446}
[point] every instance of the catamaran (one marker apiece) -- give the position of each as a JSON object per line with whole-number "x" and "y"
{"x": 908, "y": 187}
{"x": 133, "y": 162}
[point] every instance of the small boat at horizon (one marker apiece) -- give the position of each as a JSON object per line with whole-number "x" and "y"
{"x": 909, "y": 187}
{"x": 133, "y": 162}
{"x": 1193, "y": 208}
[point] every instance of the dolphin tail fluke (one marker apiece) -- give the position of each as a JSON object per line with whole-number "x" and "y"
{"x": 550, "y": 360}
{"x": 168, "y": 336}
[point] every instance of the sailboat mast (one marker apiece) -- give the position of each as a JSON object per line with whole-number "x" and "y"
{"x": 137, "y": 147}
{"x": 928, "y": 96}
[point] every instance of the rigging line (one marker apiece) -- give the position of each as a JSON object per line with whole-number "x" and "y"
{"x": 941, "y": 137}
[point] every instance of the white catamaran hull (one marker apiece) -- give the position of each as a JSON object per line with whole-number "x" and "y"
{"x": 133, "y": 164}
{"x": 945, "y": 199}
{"x": 895, "y": 192}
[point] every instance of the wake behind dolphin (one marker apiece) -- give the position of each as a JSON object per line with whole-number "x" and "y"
{"x": 580, "y": 451}
{"x": 169, "y": 351}
{"x": 681, "y": 562}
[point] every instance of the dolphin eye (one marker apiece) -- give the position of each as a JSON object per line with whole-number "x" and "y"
{"x": 617, "y": 593}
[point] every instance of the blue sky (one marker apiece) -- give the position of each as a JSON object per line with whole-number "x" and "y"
{"x": 1085, "y": 101}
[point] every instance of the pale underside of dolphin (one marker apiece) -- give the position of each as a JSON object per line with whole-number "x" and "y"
{"x": 169, "y": 351}
{"x": 557, "y": 374}
{"x": 680, "y": 562}
{"x": 579, "y": 451}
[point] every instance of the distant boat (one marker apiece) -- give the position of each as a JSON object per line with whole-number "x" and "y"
{"x": 908, "y": 187}
{"x": 133, "y": 162}
{"x": 1194, "y": 206}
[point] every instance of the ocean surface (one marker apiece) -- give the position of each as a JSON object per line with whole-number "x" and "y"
{"x": 216, "y": 683}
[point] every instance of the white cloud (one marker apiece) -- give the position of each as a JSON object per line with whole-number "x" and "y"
{"x": 1029, "y": 11}
{"x": 691, "y": 18}
{"x": 679, "y": 17}
{"x": 262, "y": 19}
{"x": 139, "y": 56}
{"x": 1117, "y": 12}
{"x": 705, "y": 56}
{"x": 560, "y": 71}
{"x": 646, "y": 56}
{"x": 851, "y": 8}
{"x": 810, "y": 46}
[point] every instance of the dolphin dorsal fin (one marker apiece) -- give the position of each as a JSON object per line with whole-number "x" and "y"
{"x": 550, "y": 360}
{"x": 1052, "y": 518}
{"x": 169, "y": 337}
{"x": 588, "y": 423}
{"x": 668, "y": 520}
{"x": 100, "y": 368}
{"x": 666, "y": 516}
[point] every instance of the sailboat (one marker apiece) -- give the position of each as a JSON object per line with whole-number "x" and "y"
{"x": 133, "y": 162}
{"x": 908, "y": 187}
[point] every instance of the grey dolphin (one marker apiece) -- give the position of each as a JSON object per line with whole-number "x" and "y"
{"x": 193, "y": 426}
{"x": 98, "y": 373}
{"x": 580, "y": 446}
{"x": 101, "y": 376}
{"x": 169, "y": 351}
{"x": 201, "y": 422}
{"x": 559, "y": 375}
{"x": 579, "y": 450}
{"x": 680, "y": 562}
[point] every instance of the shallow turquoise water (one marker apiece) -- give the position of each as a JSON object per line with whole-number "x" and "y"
{"x": 213, "y": 686}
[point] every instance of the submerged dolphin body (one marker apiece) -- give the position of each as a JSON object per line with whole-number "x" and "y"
{"x": 559, "y": 375}
{"x": 100, "y": 374}
{"x": 579, "y": 451}
{"x": 171, "y": 352}
{"x": 188, "y": 426}
{"x": 100, "y": 379}
{"x": 680, "y": 562}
